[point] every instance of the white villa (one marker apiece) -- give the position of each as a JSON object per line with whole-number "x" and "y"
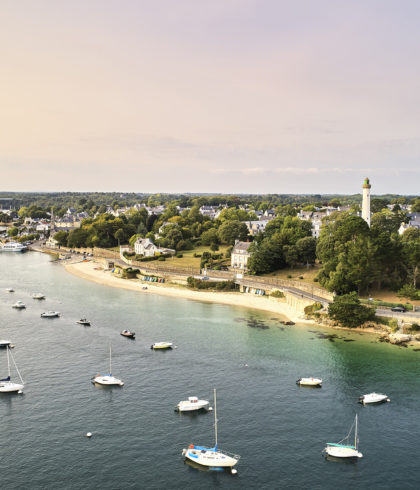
{"x": 145, "y": 247}
{"x": 240, "y": 255}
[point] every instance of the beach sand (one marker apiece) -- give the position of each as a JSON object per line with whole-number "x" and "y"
{"x": 93, "y": 271}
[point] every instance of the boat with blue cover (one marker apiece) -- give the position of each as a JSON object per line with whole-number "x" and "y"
{"x": 344, "y": 449}
{"x": 211, "y": 457}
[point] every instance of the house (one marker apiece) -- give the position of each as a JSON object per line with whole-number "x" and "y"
{"x": 52, "y": 242}
{"x": 145, "y": 247}
{"x": 413, "y": 223}
{"x": 240, "y": 255}
{"x": 255, "y": 227}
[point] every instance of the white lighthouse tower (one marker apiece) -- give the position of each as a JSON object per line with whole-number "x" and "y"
{"x": 366, "y": 201}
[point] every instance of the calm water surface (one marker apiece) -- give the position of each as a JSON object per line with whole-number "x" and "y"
{"x": 278, "y": 428}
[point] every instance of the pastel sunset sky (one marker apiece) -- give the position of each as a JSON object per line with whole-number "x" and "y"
{"x": 255, "y": 96}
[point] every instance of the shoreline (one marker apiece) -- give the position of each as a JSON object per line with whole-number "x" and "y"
{"x": 93, "y": 271}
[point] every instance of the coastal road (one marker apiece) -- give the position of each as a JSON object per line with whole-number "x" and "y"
{"x": 397, "y": 315}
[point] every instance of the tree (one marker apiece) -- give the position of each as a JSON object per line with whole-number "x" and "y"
{"x": 348, "y": 311}
{"x": 232, "y": 230}
{"x": 119, "y": 235}
{"x": 377, "y": 204}
{"x": 209, "y": 237}
{"x": 411, "y": 252}
{"x": 415, "y": 207}
{"x": 13, "y": 231}
{"x": 306, "y": 249}
{"x": 61, "y": 237}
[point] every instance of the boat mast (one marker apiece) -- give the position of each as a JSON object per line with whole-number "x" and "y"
{"x": 110, "y": 362}
{"x": 355, "y": 435}
{"x": 215, "y": 418}
{"x": 17, "y": 370}
{"x": 8, "y": 361}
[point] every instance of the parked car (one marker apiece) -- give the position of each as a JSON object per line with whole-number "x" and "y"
{"x": 399, "y": 309}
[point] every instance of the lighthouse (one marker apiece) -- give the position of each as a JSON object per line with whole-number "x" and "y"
{"x": 366, "y": 201}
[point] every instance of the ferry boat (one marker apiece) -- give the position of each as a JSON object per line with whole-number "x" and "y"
{"x": 12, "y": 247}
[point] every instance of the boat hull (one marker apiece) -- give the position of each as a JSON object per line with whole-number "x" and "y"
{"x": 343, "y": 452}
{"x": 107, "y": 381}
{"x": 209, "y": 457}
{"x": 161, "y": 346}
{"x": 10, "y": 387}
{"x": 186, "y": 406}
{"x": 309, "y": 382}
{"x": 373, "y": 398}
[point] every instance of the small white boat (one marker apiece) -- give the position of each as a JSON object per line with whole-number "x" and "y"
{"x": 50, "y": 314}
{"x": 8, "y": 386}
{"x": 373, "y": 398}
{"x": 192, "y": 404}
{"x": 347, "y": 450}
{"x": 19, "y": 305}
{"x": 107, "y": 379}
{"x": 38, "y": 296}
{"x": 128, "y": 334}
{"x": 161, "y": 345}
{"x": 5, "y": 343}
{"x": 10, "y": 290}
{"x": 309, "y": 382}
{"x": 211, "y": 457}
{"x": 84, "y": 321}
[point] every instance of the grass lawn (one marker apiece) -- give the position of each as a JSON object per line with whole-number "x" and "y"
{"x": 308, "y": 274}
{"x": 188, "y": 259}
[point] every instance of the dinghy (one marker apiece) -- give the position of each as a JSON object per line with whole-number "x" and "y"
{"x": 309, "y": 382}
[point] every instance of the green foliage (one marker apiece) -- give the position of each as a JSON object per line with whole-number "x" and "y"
{"x": 409, "y": 291}
{"x": 277, "y": 294}
{"x": 415, "y": 327}
{"x": 349, "y": 312}
{"x": 13, "y": 231}
{"x": 311, "y": 309}
{"x": 194, "y": 283}
{"x": 232, "y": 230}
{"x": 62, "y": 238}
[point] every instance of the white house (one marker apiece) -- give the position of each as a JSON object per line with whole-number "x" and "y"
{"x": 413, "y": 223}
{"x": 52, "y": 242}
{"x": 240, "y": 255}
{"x": 145, "y": 247}
{"x": 255, "y": 227}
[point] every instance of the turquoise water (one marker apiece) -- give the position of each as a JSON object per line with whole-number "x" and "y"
{"x": 278, "y": 428}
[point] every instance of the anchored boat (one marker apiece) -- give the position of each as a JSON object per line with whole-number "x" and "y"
{"x": 128, "y": 334}
{"x": 346, "y": 450}
{"x": 107, "y": 379}
{"x": 84, "y": 321}
{"x": 373, "y": 398}
{"x": 211, "y": 457}
{"x": 50, "y": 314}
{"x": 19, "y": 305}
{"x": 192, "y": 404}
{"x": 161, "y": 345}
{"x": 38, "y": 296}
{"x": 309, "y": 382}
{"x": 8, "y": 386}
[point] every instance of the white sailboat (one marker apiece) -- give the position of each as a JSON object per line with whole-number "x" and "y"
{"x": 346, "y": 450}
{"x": 108, "y": 379}
{"x": 211, "y": 457}
{"x": 6, "y": 385}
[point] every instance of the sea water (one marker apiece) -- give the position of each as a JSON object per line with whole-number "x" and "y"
{"x": 278, "y": 428}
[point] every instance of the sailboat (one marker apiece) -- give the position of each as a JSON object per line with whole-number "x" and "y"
{"x": 346, "y": 450}
{"x": 7, "y": 386}
{"x": 108, "y": 379}
{"x": 211, "y": 457}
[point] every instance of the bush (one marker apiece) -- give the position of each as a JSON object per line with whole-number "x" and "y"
{"x": 179, "y": 256}
{"x": 311, "y": 309}
{"x": 415, "y": 327}
{"x": 348, "y": 311}
{"x": 289, "y": 276}
{"x": 316, "y": 279}
{"x": 393, "y": 323}
{"x": 409, "y": 291}
{"x": 216, "y": 285}
{"x": 277, "y": 294}
{"x": 161, "y": 258}
{"x": 300, "y": 277}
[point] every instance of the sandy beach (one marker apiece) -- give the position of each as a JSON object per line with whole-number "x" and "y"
{"x": 93, "y": 271}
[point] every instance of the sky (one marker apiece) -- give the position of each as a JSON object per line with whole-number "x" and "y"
{"x": 223, "y": 96}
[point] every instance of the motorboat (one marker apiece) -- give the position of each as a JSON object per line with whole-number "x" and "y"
{"x": 84, "y": 321}
{"x": 211, "y": 457}
{"x": 128, "y": 334}
{"x": 161, "y": 345}
{"x": 19, "y": 305}
{"x": 346, "y": 450}
{"x": 13, "y": 247}
{"x": 373, "y": 398}
{"x": 191, "y": 405}
{"x": 309, "y": 382}
{"x": 107, "y": 379}
{"x": 8, "y": 386}
{"x": 50, "y": 314}
{"x": 38, "y": 296}
{"x": 10, "y": 290}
